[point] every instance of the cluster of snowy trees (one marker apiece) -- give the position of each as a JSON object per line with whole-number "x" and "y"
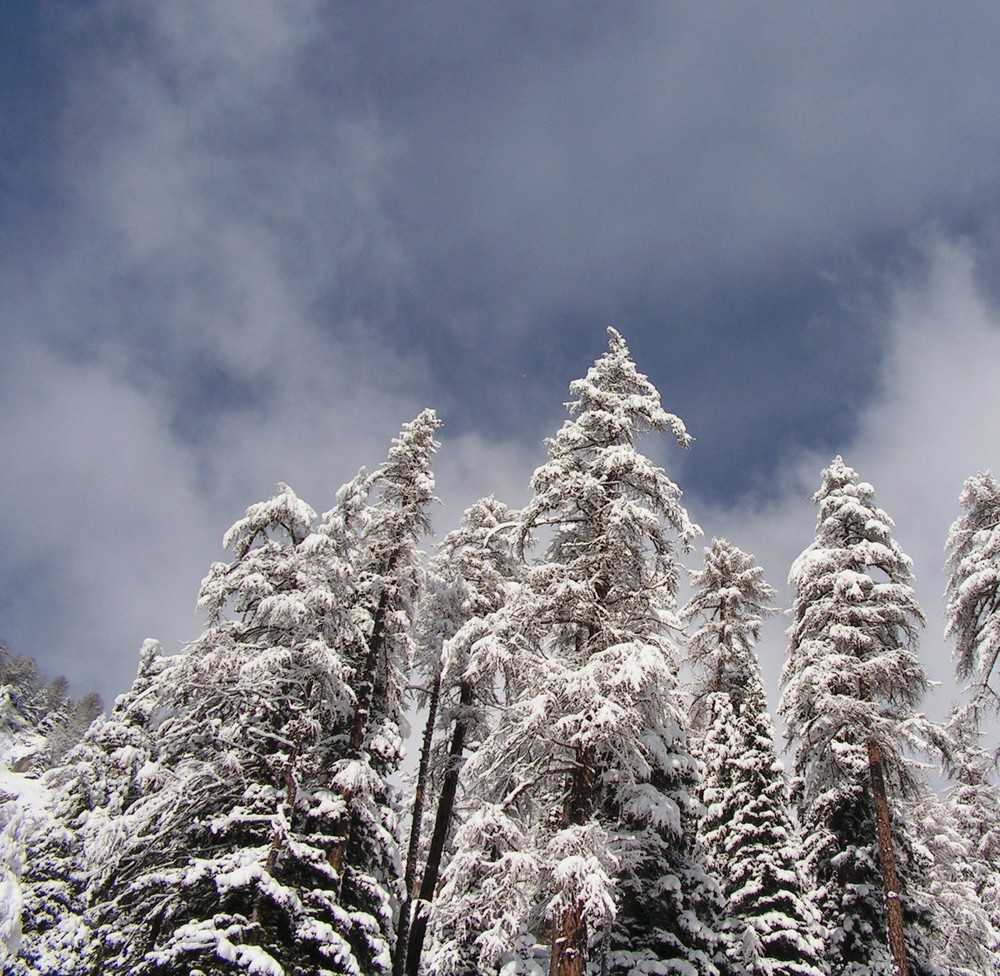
{"x": 598, "y": 787}
{"x": 39, "y": 721}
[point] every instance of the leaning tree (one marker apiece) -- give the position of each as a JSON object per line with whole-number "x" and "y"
{"x": 973, "y": 593}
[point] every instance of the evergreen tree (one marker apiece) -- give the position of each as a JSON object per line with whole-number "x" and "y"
{"x": 234, "y": 813}
{"x": 583, "y": 833}
{"x": 747, "y": 828}
{"x": 973, "y": 591}
{"x": 377, "y": 523}
{"x": 851, "y": 685}
{"x": 225, "y": 868}
{"x": 956, "y": 845}
{"x": 41, "y": 844}
{"x": 42, "y": 932}
{"x": 973, "y": 802}
{"x": 89, "y": 794}
{"x": 39, "y": 721}
{"x": 20, "y": 740}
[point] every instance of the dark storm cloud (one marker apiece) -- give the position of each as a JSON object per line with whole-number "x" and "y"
{"x": 244, "y": 241}
{"x": 493, "y": 183}
{"x": 690, "y": 172}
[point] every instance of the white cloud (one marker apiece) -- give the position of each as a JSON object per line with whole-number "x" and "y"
{"x": 107, "y": 514}
{"x": 187, "y": 254}
{"x": 113, "y": 520}
{"x": 932, "y": 426}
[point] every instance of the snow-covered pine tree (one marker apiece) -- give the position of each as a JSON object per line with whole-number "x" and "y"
{"x": 39, "y": 721}
{"x": 583, "y": 836}
{"x": 41, "y": 883}
{"x": 378, "y": 523}
{"x": 74, "y": 847}
{"x": 20, "y": 688}
{"x": 470, "y": 578}
{"x": 851, "y": 685}
{"x": 748, "y": 832}
{"x": 226, "y": 865}
{"x": 956, "y": 847}
{"x": 973, "y": 592}
{"x": 41, "y": 848}
{"x": 727, "y": 606}
{"x": 973, "y": 612}
{"x": 265, "y": 839}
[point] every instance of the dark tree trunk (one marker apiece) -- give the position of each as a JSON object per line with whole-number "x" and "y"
{"x": 442, "y": 824}
{"x": 887, "y": 860}
{"x": 569, "y": 932}
{"x": 569, "y": 947}
{"x": 362, "y": 710}
{"x": 413, "y": 849}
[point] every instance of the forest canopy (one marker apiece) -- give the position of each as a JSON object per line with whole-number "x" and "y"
{"x": 595, "y": 785}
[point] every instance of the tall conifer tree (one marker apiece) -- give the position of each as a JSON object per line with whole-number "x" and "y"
{"x": 851, "y": 686}
{"x": 747, "y": 827}
{"x": 73, "y": 849}
{"x": 973, "y": 593}
{"x": 226, "y": 869}
{"x": 266, "y": 838}
{"x": 469, "y": 580}
{"x": 583, "y": 836}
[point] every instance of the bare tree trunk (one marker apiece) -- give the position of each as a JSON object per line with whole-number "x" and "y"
{"x": 569, "y": 932}
{"x": 887, "y": 859}
{"x": 442, "y": 824}
{"x": 413, "y": 849}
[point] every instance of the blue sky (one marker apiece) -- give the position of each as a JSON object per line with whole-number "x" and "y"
{"x": 244, "y": 240}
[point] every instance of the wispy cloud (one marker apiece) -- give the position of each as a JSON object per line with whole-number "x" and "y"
{"x": 267, "y": 233}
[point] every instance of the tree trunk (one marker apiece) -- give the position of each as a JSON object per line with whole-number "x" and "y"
{"x": 569, "y": 932}
{"x": 413, "y": 849}
{"x": 442, "y": 824}
{"x": 569, "y": 945}
{"x": 887, "y": 859}
{"x": 277, "y": 834}
{"x": 336, "y": 856}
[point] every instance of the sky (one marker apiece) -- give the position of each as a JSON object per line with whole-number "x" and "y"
{"x": 244, "y": 241}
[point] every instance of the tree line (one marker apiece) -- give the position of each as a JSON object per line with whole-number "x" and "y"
{"x": 578, "y": 807}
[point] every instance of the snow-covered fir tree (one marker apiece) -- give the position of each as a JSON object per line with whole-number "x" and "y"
{"x": 973, "y": 592}
{"x": 581, "y": 837}
{"x": 265, "y": 841}
{"x": 226, "y": 868}
{"x": 473, "y": 574}
{"x": 747, "y": 827}
{"x": 73, "y": 848}
{"x": 851, "y": 686}
{"x": 42, "y": 873}
{"x": 972, "y": 807}
{"x": 39, "y": 721}
{"x": 378, "y": 523}
{"x": 955, "y": 845}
